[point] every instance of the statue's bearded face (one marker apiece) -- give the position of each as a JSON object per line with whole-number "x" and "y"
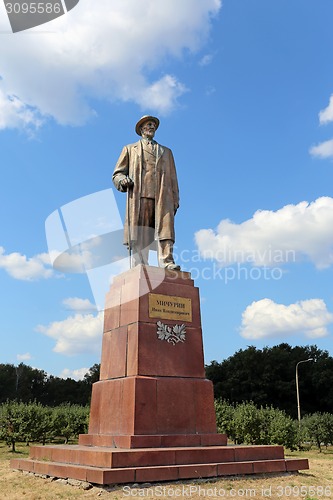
{"x": 148, "y": 129}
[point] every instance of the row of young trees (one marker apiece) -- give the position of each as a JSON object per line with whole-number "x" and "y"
{"x": 267, "y": 377}
{"x": 35, "y": 423}
{"x": 246, "y": 423}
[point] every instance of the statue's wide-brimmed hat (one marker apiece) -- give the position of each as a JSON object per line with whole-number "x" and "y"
{"x": 145, "y": 119}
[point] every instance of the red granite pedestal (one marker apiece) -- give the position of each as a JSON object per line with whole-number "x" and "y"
{"x": 152, "y": 413}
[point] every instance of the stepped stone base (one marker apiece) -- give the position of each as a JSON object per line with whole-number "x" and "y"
{"x": 149, "y": 441}
{"x": 105, "y": 466}
{"x": 152, "y": 414}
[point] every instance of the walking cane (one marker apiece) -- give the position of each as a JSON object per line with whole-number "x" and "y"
{"x": 129, "y": 224}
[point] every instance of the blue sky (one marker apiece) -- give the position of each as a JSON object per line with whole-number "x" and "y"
{"x": 243, "y": 90}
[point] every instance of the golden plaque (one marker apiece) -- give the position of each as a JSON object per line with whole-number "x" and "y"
{"x": 170, "y": 307}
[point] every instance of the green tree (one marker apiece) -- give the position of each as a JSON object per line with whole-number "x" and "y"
{"x": 245, "y": 423}
{"x": 93, "y": 374}
{"x": 7, "y": 382}
{"x": 320, "y": 428}
{"x": 39, "y": 423}
{"x": 267, "y": 377}
{"x": 225, "y": 421}
{"x": 13, "y": 421}
{"x": 23, "y": 383}
{"x": 70, "y": 421}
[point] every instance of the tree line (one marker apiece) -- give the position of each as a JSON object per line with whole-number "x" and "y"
{"x": 25, "y": 384}
{"x": 265, "y": 376}
{"x": 268, "y": 377}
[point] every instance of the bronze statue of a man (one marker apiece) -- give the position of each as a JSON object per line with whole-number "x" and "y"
{"x": 146, "y": 170}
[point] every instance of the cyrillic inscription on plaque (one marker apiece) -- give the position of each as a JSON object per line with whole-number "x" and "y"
{"x": 170, "y": 307}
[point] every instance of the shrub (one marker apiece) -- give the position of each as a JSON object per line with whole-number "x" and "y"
{"x": 247, "y": 424}
{"x": 70, "y": 421}
{"x": 13, "y": 423}
{"x": 320, "y": 428}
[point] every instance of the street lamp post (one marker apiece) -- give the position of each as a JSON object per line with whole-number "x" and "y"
{"x": 297, "y": 389}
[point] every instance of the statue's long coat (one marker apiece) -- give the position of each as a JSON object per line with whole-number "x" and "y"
{"x": 166, "y": 189}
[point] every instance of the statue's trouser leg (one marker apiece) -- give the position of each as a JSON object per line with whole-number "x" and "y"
{"x": 145, "y": 230}
{"x": 165, "y": 252}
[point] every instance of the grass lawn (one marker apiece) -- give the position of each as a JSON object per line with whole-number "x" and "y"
{"x": 316, "y": 483}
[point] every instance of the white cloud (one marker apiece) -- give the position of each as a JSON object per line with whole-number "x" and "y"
{"x": 326, "y": 115}
{"x": 292, "y": 233}
{"x": 162, "y": 95}
{"x": 74, "y": 374}
{"x": 78, "y": 334}
{"x": 23, "y": 268}
{"x": 104, "y": 50}
{"x": 206, "y": 60}
{"x": 323, "y": 150}
{"x": 266, "y": 319}
{"x": 210, "y": 90}
{"x": 23, "y": 357}
{"x": 15, "y": 114}
{"x": 77, "y": 304}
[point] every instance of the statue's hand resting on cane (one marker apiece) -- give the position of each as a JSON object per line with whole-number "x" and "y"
{"x": 125, "y": 184}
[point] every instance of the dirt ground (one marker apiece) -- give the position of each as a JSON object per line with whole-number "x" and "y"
{"x": 316, "y": 483}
